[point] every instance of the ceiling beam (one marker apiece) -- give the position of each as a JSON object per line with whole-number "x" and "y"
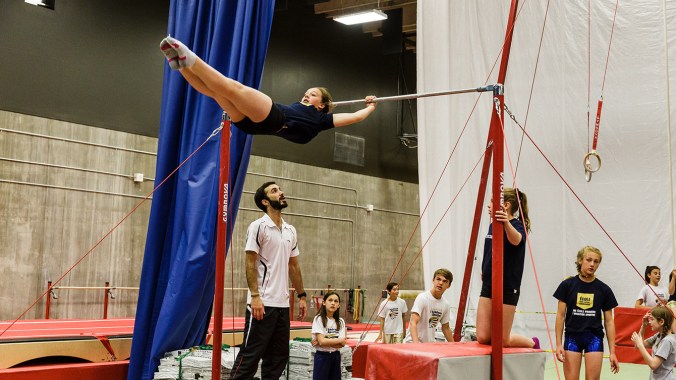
{"x": 351, "y": 6}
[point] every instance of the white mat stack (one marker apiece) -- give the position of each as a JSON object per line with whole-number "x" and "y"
{"x": 301, "y": 361}
{"x": 346, "y": 362}
{"x": 194, "y": 363}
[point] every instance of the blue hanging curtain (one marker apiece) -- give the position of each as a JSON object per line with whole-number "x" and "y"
{"x": 177, "y": 278}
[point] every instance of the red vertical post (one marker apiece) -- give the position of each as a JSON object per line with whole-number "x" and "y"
{"x": 105, "y": 300}
{"x": 48, "y": 301}
{"x": 496, "y": 139}
{"x": 498, "y": 229}
{"x": 498, "y": 178}
{"x": 221, "y": 237}
{"x": 292, "y": 303}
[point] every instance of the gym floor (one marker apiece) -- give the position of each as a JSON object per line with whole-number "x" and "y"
{"x": 627, "y": 371}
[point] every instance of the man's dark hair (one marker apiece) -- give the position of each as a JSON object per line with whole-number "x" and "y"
{"x": 260, "y": 195}
{"x": 390, "y": 286}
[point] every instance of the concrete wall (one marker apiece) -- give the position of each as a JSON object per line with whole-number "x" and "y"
{"x": 112, "y": 77}
{"x": 63, "y": 186}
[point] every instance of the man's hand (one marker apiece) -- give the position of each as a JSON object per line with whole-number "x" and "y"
{"x": 257, "y": 308}
{"x": 302, "y": 309}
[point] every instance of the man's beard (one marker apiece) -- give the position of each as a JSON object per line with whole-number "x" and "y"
{"x": 278, "y": 205}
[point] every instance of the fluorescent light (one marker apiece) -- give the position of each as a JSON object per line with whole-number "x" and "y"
{"x": 361, "y": 17}
{"x": 42, "y": 3}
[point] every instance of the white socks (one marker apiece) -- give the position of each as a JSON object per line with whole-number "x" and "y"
{"x": 178, "y": 55}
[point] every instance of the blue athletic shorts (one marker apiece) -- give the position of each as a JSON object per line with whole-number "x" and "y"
{"x": 583, "y": 342}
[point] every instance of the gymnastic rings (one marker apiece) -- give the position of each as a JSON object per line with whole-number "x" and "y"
{"x": 590, "y": 167}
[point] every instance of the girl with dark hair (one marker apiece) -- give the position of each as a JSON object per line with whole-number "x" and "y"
{"x": 253, "y": 111}
{"x": 663, "y": 344}
{"x": 652, "y": 294}
{"x": 328, "y": 336}
{"x": 516, "y": 222}
{"x": 391, "y": 315}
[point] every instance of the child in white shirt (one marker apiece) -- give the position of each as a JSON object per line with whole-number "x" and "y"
{"x": 328, "y": 336}
{"x": 391, "y": 314}
{"x": 652, "y": 294}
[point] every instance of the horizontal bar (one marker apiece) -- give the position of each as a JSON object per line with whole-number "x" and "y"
{"x": 94, "y": 287}
{"x": 334, "y": 289}
{"x": 424, "y": 95}
{"x": 306, "y": 289}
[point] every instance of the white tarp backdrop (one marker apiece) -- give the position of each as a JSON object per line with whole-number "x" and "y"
{"x": 632, "y": 195}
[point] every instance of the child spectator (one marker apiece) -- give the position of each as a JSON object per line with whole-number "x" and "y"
{"x": 430, "y": 310}
{"x": 663, "y": 343}
{"x": 391, "y": 314}
{"x": 652, "y": 294}
{"x": 328, "y": 336}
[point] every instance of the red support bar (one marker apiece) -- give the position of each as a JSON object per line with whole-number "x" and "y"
{"x": 48, "y": 301}
{"x": 502, "y": 74}
{"x": 478, "y": 210}
{"x": 498, "y": 239}
{"x": 105, "y": 300}
{"x": 496, "y": 153}
{"x": 498, "y": 184}
{"x": 221, "y": 237}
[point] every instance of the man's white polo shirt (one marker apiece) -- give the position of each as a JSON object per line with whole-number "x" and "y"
{"x": 274, "y": 248}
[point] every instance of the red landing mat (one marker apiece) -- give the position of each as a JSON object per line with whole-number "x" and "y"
{"x": 359, "y": 327}
{"x": 448, "y": 361}
{"x": 27, "y": 330}
{"x": 359, "y": 357}
{"x": 628, "y": 320}
{"x": 94, "y": 341}
{"x": 98, "y": 371}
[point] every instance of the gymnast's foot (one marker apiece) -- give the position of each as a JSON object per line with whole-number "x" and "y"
{"x": 178, "y": 55}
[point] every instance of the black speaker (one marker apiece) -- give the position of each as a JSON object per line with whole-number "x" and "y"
{"x": 393, "y": 37}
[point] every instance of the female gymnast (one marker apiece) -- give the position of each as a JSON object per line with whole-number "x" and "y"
{"x": 585, "y": 306}
{"x": 253, "y": 111}
{"x": 514, "y": 249}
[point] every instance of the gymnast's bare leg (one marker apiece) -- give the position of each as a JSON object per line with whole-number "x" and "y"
{"x": 237, "y": 100}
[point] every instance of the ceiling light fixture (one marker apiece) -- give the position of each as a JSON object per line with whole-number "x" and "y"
{"x": 361, "y": 17}
{"x": 42, "y": 3}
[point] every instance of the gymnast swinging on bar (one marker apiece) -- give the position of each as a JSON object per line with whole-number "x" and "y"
{"x": 254, "y": 112}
